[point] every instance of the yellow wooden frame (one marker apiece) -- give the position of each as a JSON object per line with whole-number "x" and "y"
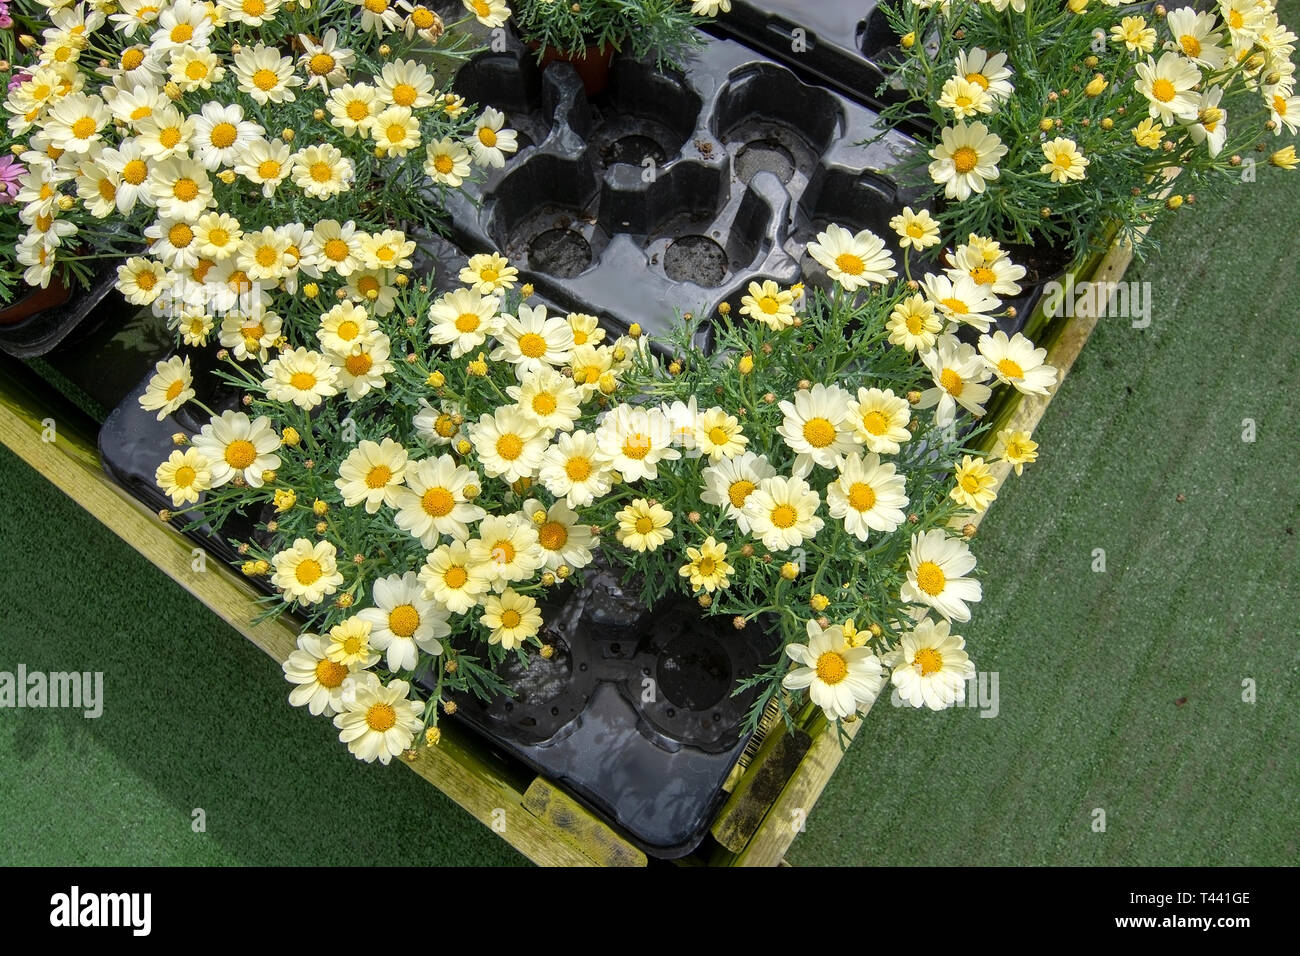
{"x": 772, "y": 791}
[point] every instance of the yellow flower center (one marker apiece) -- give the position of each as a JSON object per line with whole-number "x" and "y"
{"x": 267, "y": 256}
{"x": 241, "y": 453}
{"x": 303, "y": 381}
{"x": 862, "y": 497}
{"x": 196, "y": 70}
{"x": 1163, "y": 90}
{"x": 832, "y": 667}
{"x": 503, "y": 552}
{"x": 915, "y": 230}
{"x": 378, "y": 476}
{"x": 321, "y": 64}
{"x": 184, "y": 476}
{"x": 357, "y": 110}
{"x": 422, "y": 18}
{"x": 176, "y": 387}
{"x": 1010, "y": 369}
{"x": 875, "y": 423}
{"x": 135, "y": 171}
{"x": 308, "y": 572}
{"x": 169, "y": 136}
{"x": 644, "y": 525}
{"x": 578, "y": 468}
{"x": 965, "y": 159}
{"x": 268, "y": 169}
{"x": 1235, "y": 19}
{"x": 265, "y": 79}
{"x": 132, "y": 58}
{"x": 489, "y": 274}
{"x": 445, "y": 426}
{"x": 455, "y": 577}
{"x": 443, "y": 164}
{"x": 927, "y": 661}
{"x": 380, "y": 717}
{"x": 956, "y": 306}
{"x": 146, "y": 281}
{"x": 532, "y": 345}
{"x": 915, "y": 324}
{"x": 185, "y": 189}
{"x": 404, "y": 620}
{"x": 510, "y": 446}
{"x": 437, "y": 502}
{"x": 396, "y": 133}
{"x": 336, "y": 249}
{"x": 979, "y": 79}
{"x": 951, "y": 382}
{"x": 553, "y": 535}
{"x": 970, "y": 482}
{"x": 482, "y": 7}
{"x": 544, "y": 403}
{"x": 140, "y": 112}
{"x": 769, "y": 305}
{"x": 376, "y": 6}
{"x": 983, "y": 275}
{"x": 83, "y": 128}
{"x": 182, "y": 32}
{"x": 330, "y": 674}
{"x": 348, "y": 330}
{"x": 930, "y": 578}
{"x": 510, "y": 619}
{"x": 819, "y": 432}
{"x": 706, "y": 566}
{"x": 636, "y": 446}
{"x": 739, "y": 491}
{"x": 850, "y": 264}
{"x": 784, "y": 516}
{"x": 404, "y": 94}
{"x": 719, "y": 435}
{"x": 487, "y": 136}
{"x": 320, "y": 172}
{"x": 358, "y": 364}
{"x": 223, "y": 135}
{"x": 353, "y": 646}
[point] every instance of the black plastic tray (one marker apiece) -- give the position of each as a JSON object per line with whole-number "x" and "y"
{"x": 40, "y": 333}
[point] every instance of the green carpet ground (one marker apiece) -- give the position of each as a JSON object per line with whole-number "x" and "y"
{"x": 1119, "y": 691}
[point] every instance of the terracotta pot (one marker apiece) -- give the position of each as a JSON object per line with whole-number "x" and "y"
{"x": 593, "y": 65}
{"x": 38, "y": 300}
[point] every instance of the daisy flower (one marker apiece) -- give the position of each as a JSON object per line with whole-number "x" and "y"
{"x": 868, "y": 496}
{"x": 365, "y": 367}
{"x": 913, "y": 324}
{"x": 433, "y": 503}
{"x": 574, "y": 469}
{"x": 512, "y": 618}
{"x": 239, "y": 447}
{"x": 420, "y": 19}
{"x": 1194, "y": 34}
{"x": 263, "y": 255}
{"x": 489, "y": 273}
{"x": 352, "y": 108}
{"x": 183, "y": 476}
{"x": 729, "y": 483}
{"x": 141, "y": 280}
{"x": 879, "y": 419}
{"x": 193, "y": 68}
{"x": 682, "y": 418}
{"x": 643, "y": 526}
{"x": 958, "y": 373}
{"x": 128, "y": 162}
{"x": 372, "y": 474}
{"x": 634, "y": 440}
{"x": 265, "y": 163}
{"x": 350, "y": 644}
{"x": 916, "y": 230}
{"x": 307, "y": 573}
{"x": 1148, "y": 133}
{"x": 586, "y": 328}
{"x": 171, "y": 387}
{"x": 324, "y": 62}
{"x": 549, "y": 399}
{"x": 1284, "y": 110}
{"x": 250, "y": 334}
{"x": 378, "y": 16}
{"x": 379, "y": 722}
{"x": 710, "y": 8}
{"x": 395, "y": 131}
{"x": 322, "y": 171}
{"x": 1134, "y": 34}
{"x": 964, "y": 98}
{"x": 221, "y": 134}
{"x": 768, "y": 303}
{"x": 1064, "y": 161}
{"x": 990, "y": 73}
{"x": 719, "y": 435}
{"x": 490, "y": 13}
{"x": 508, "y": 549}
{"x": 180, "y": 188}
{"x": 1211, "y": 126}
{"x": 318, "y": 680}
{"x": 1016, "y": 448}
{"x": 839, "y": 678}
{"x": 937, "y": 565}
{"x": 959, "y": 299}
{"x": 438, "y": 426}
{"x": 1244, "y": 19}
{"x": 707, "y": 567}
{"x": 375, "y": 287}
{"x": 1167, "y": 84}
{"x": 975, "y": 484}
{"x": 463, "y": 319}
{"x": 564, "y": 539}
{"x": 782, "y": 512}
{"x": 489, "y": 143}
{"x": 854, "y": 261}
{"x": 185, "y": 22}
{"x": 965, "y": 159}
{"x": 453, "y": 578}
{"x": 931, "y": 666}
{"x": 194, "y": 322}
{"x": 817, "y": 426}
{"x": 531, "y": 340}
{"x": 338, "y": 245}
{"x": 447, "y": 162}
{"x": 389, "y": 249}
{"x": 73, "y": 124}
{"x": 300, "y": 376}
{"x": 404, "y": 622}
{"x": 589, "y": 364}
{"x": 509, "y": 444}
{"x": 1016, "y": 362}
{"x": 405, "y": 83}
{"x": 988, "y": 265}
{"x": 265, "y": 75}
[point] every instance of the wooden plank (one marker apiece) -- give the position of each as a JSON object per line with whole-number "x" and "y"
{"x": 457, "y": 766}
{"x": 591, "y": 837}
{"x": 775, "y": 762}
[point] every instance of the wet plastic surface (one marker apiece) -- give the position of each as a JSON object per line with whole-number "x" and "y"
{"x": 634, "y": 714}
{"x": 671, "y": 191}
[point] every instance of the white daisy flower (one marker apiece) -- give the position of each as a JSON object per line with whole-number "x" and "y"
{"x": 574, "y": 469}
{"x": 548, "y": 398}
{"x": 509, "y": 444}
{"x": 434, "y": 504}
{"x": 365, "y": 367}
{"x": 564, "y": 539}
{"x": 854, "y": 261}
{"x": 221, "y": 134}
{"x": 323, "y": 171}
{"x": 839, "y": 678}
{"x": 300, "y": 376}
{"x": 454, "y": 578}
{"x": 937, "y": 565}
{"x": 719, "y": 435}
{"x": 171, "y": 386}
{"x": 960, "y": 300}
{"x": 239, "y": 447}
{"x": 512, "y": 618}
{"x": 988, "y": 72}
{"x": 931, "y": 666}
{"x": 818, "y": 427}
{"x": 405, "y": 83}
{"x": 265, "y": 75}
{"x": 372, "y": 474}
{"x": 318, "y": 680}
{"x": 379, "y": 722}
{"x": 463, "y": 319}
{"x": 324, "y": 62}
{"x": 489, "y": 143}
{"x": 965, "y": 159}
{"x": 880, "y": 420}
{"x": 404, "y": 622}
{"x": 868, "y": 496}
{"x": 1168, "y": 86}
{"x": 487, "y": 273}
{"x": 307, "y": 573}
{"x": 447, "y": 162}
{"x": 782, "y": 512}
{"x": 634, "y": 440}
{"x": 507, "y": 547}
{"x": 729, "y": 483}
{"x": 958, "y": 373}
{"x": 265, "y": 163}
{"x": 184, "y": 476}
{"x": 532, "y": 341}
{"x": 1016, "y": 362}
{"x": 251, "y": 333}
